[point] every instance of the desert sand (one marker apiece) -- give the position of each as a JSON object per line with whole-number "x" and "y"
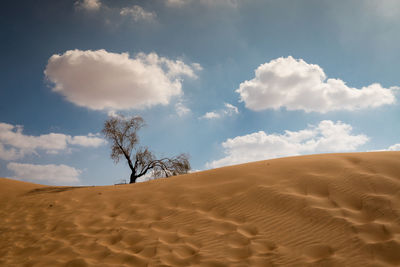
{"x": 319, "y": 210}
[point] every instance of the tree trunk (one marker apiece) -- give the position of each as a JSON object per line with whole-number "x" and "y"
{"x": 133, "y": 178}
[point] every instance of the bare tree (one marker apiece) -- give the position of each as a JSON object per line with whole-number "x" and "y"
{"x": 122, "y": 132}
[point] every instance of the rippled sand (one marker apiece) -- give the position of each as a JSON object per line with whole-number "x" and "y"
{"x": 320, "y": 210}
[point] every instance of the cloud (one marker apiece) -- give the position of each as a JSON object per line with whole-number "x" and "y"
{"x": 10, "y": 153}
{"x": 113, "y": 15}
{"x": 327, "y": 136}
{"x": 395, "y": 147}
{"x": 51, "y": 174}
{"x": 137, "y": 13}
{"x": 15, "y": 145}
{"x": 181, "y": 109}
{"x": 297, "y": 85}
{"x": 176, "y": 3}
{"x": 229, "y": 110}
{"x": 102, "y": 80}
{"x": 389, "y": 9}
{"x": 90, "y": 5}
{"x": 211, "y": 115}
{"x": 211, "y": 3}
{"x": 114, "y": 114}
{"x": 91, "y": 140}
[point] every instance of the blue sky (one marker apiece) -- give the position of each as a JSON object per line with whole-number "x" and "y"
{"x": 227, "y": 81}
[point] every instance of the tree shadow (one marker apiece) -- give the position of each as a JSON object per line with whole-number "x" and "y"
{"x": 53, "y": 189}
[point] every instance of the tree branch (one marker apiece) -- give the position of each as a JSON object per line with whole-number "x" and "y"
{"x": 127, "y": 157}
{"x": 123, "y": 134}
{"x": 145, "y": 170}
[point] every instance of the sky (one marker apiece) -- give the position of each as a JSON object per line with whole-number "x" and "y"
{"x": 226, "y": 81}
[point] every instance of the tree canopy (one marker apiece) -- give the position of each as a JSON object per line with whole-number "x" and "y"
{"x": 122, "y": 132}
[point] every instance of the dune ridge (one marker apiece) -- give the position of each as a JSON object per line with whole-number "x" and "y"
{"x": 318, "y": 210}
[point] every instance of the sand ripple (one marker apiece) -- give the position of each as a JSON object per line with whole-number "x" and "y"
{"x": 322, "y": 210}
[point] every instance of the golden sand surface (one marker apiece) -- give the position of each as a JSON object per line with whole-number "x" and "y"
{"x": 319, "y": 210}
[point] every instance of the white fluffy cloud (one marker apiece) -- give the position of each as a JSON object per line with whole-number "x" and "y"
{"x": 297, "y": 85}
{"x": 91, "y": 5}
{"x": 15, "y": 145}
{"x": 50, "y": 174}
{"x": 229, "y": 110}
{"x": 211, "y": 115}
{"x": 137, "y": 13}
{"x": 328, "y": 136}
{"x": 90, "y": 140}
{"x": 101, "y": 80}
{"x": 395, "y": 147}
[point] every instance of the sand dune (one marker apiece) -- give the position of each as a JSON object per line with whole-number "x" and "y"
{"x": 320, "y": 210}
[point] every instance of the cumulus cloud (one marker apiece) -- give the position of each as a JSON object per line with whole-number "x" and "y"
{"x": 90, "y": 5}
{"x": 395, "y": 147}
{"x": 9, "y": 153}
{"x": 102, "y": 80}
{"x": 297, "y": 85}
{"x": 229, "y": 110}
{"x": 15, "y": 145}
{"x": 49, "y": 174}
{"x": 114, "y": 114}
{"x": 91, "y": 140}
{"x": 211, "y": 115}
{"x": 327, "y": 136}
{"x": 137, "y": 13}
